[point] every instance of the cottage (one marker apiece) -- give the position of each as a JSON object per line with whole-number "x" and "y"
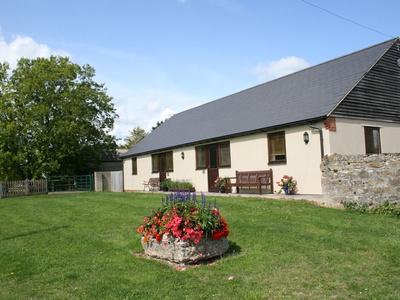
{"x": 349, "y": 105}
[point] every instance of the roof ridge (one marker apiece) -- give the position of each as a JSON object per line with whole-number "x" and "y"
{"x": 292, "y": 74}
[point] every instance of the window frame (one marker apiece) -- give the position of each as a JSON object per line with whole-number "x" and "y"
{"x": 369, "y": 138}
{"x": 203, "y": 155}
{"x": 134, "y": 166}
{"x": 272, "y": 137}
{"x": 158, "y": 160}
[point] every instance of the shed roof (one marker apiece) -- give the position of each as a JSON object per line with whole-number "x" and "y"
{"x": 304, "y": 96}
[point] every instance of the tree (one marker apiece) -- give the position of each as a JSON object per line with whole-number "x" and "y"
{"x": 136, "y": 135}
{"x": 158, "y": 125}
{"x": 54, "y": 118}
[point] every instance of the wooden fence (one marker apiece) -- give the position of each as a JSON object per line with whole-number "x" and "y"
{"x": 22, "y": 188}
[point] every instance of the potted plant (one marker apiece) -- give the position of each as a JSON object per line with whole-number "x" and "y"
{"x": 288, "y": 185}
{"x": 184, "y": 228}
{"x": 165, "y": 184}
{"x": 221, "y": 184}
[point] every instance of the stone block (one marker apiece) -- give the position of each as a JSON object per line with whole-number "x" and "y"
{"x": 178, "y": 251}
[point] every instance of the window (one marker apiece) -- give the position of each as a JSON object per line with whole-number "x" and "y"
{"x": 169, "y": 167}
{"x": 372, "y": 140}
{"x": 162, "y": 162}
{"x": 213, "y": 156}
{"x": 224, "y": 155}
{"x": 277, "y": 147}
{"x": 134, "y": 166}
{"x": 155, "y": 163}
{"x": 201, "y": 157}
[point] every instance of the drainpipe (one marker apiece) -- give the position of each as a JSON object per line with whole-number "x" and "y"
{"x": 321, "y": 139}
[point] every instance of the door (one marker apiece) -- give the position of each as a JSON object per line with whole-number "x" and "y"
{"x": 163, "y": 167}
{"x": 213, "y": 172}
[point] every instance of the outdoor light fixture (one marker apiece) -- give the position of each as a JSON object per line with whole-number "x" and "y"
{"x": 183, "y": 155}
{"x": 306, "y": 137}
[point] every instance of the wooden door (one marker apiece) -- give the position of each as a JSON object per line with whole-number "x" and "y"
{"x": 213, "y": 171}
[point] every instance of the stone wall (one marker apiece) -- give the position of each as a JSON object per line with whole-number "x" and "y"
{"x": 370, "y": 179}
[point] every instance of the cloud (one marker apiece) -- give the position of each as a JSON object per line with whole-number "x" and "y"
{"x": 282, "y": 67}
{"x": 145, "y": 106}
{"x": 23, "y": 46}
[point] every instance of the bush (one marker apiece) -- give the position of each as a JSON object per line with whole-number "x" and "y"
{"x": 385, "y": 208}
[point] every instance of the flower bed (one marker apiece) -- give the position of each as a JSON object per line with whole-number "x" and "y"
{"x": 184, "y": 228}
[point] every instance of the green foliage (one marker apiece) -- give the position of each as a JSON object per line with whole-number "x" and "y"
{"x": 54, "y": 118}
{"x": 136, "y": 135}
{"x": 157, "y": 125}
{"x": 385, "y": 208}
{"x": 176, "y": 184}
{"x": 180, "y": 184}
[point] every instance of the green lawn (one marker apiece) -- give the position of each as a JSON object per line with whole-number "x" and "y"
{"x": 85, "y": 246}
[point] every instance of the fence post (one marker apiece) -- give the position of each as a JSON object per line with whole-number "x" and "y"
{"x": 1, "y": 189}
{"x": 26, "y": 187}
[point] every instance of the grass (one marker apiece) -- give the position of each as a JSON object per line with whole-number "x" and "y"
{"x": 84, "y": 246}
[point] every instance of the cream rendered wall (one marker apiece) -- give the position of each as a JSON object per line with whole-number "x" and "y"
{"x": 135, "y": 182}
{"x": 349, "y": 136}
{"x": 247, "y": 153}
{"x": 303, "y": 161}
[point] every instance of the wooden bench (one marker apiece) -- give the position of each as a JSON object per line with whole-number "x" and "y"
{"x": 151, "y": 184}
{"x": 249, "y": 179}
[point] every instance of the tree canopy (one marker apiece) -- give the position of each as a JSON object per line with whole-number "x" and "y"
{"x": 136, "y": 135}
{"x": 54, "y": 118}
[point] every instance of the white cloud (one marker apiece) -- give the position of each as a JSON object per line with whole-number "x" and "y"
{"x": 282, "y": 67}
{"x": 23, "y": 46}
{"x": 144, "y": 106}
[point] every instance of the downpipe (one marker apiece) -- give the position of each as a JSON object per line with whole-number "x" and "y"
{"x": 321, "y": 139}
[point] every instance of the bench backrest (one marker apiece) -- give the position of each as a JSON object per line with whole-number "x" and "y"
{"x": 154, "y": 181}
{"x": 244, "y": 177}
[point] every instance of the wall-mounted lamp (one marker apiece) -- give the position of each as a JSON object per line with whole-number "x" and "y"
{"x": 183, "y": 155}
{"x": 306, "y": 137}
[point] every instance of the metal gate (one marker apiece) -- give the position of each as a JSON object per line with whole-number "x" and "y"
{"x": 70, "y": 183}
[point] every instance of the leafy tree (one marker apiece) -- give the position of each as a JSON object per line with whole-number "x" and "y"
{"x": 158, "y": 125}
{"x": 54, "y": 118}
{"x": 136, "y": 135}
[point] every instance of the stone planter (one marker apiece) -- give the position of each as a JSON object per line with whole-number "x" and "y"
{"x": 177, "y": 251}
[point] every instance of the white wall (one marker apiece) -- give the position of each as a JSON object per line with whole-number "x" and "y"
{"x": 349, "y": 136}
{"x": 251, "y": 153}
{"x": 247, "y": 153}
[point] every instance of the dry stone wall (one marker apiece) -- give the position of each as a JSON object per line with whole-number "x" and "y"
{"x": 369, "y": 179}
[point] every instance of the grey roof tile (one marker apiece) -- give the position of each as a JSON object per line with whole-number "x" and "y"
{"x": 306, "y": 95}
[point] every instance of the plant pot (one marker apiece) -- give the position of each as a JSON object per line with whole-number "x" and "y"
{"x": 178, "y": 251}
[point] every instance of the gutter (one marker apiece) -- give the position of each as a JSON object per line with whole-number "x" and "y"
{"x": 321, "y": 139}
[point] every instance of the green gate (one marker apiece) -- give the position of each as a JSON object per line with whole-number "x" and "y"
{"x": 70, "y": 183}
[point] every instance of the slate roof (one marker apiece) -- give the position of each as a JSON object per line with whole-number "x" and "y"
{"x": 301, "y": 97}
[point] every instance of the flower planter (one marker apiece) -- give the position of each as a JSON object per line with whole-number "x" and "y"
{"x": 178, "y": 251}
{"x": 192, "y": 190}
{"x": 287, "y": 192}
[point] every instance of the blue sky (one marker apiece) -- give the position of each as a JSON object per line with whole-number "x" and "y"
{"x": 160, "y": 57}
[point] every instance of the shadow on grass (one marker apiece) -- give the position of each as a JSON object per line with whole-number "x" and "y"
{"x": 34, "y": 232}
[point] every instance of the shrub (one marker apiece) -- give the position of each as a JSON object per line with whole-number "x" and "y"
{"x": 176, "y": 184}
{"x": 386, "y": 208}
